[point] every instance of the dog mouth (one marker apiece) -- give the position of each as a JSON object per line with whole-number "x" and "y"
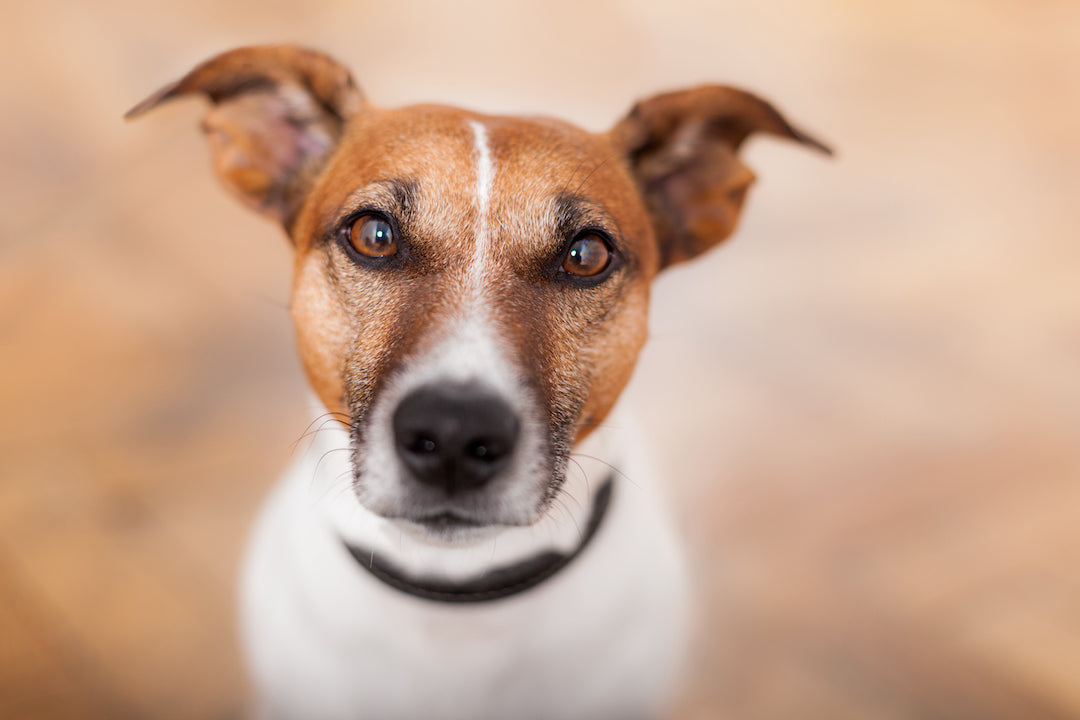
{"x": 447, "y": 527}
{"x": 447, "y": 521}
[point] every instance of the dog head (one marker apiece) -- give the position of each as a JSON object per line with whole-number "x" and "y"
{"x": 470, "y": 292}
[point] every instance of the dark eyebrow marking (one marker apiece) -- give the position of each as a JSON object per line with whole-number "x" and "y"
{"x": 405, "y": 194}
{"x": 574, "y": 213}
{"x": 396, "y": 196}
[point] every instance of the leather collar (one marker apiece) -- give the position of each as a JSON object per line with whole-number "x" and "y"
{"x": 495, "y": 584}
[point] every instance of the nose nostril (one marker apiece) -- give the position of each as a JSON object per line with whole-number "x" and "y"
{"x": 422, "y": 445}
{"x": 480, "y": 451}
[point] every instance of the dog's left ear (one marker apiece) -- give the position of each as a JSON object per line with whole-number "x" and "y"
{"x": 682, "y": 148}
{"x": 279, "y": 111}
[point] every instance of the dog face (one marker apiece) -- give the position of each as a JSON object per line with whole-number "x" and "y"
{"x": 486, "y": 215}
{"x": 470, "y": 292}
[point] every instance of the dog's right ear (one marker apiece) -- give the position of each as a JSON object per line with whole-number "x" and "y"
{"x": 279, "y": 111}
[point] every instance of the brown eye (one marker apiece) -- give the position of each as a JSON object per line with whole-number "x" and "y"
{"x": 372, "y": 236}
{"x": 589, "y": 255}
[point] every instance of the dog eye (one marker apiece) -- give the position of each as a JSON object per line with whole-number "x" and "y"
{"x": 589, "y": 255}
{"x": 372, "y": 236}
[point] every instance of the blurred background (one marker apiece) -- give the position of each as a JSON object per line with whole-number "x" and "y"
{"x": 870, "y": 399}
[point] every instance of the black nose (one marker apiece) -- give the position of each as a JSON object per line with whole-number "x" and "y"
{"x": 456, "y": 437}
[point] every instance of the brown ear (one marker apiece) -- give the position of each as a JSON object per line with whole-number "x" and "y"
{"x": 278, "y": 112}
{"x": 682, "y": 148}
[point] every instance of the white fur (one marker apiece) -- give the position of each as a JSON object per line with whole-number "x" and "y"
{"x": 599, "y": 641}
{"x": 485, "y": 177}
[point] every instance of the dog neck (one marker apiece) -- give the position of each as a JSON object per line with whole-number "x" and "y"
{"x": 562, "y": 530}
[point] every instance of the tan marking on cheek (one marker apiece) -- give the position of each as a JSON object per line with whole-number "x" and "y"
{"x": 578, "y": 348}
{"x": 613, "y": 359}
{"x": 389, "y": 318}
{"x": 352, "y": 330}
{"x": 592, "y": 352}
{"x": 322, "y": 330}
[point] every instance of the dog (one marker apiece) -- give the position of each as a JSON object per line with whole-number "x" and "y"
{"x": 478, "y": 533}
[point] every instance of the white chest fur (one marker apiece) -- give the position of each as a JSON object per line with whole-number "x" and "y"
{"x": 325, "y": 639}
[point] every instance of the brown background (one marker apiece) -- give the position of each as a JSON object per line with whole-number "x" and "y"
{"x": 871, "y": 398}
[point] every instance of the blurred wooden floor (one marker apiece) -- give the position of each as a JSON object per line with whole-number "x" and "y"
{"x": 871, "y": 398}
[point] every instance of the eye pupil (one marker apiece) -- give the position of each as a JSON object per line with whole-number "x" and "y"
{"x": 372, "y": 236}
{"x": 589, "y": 255}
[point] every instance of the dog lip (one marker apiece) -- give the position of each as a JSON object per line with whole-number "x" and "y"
{"x": 446, "y": 520}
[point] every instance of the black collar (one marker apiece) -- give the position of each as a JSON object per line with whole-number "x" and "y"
{"x": 494, "y": 584}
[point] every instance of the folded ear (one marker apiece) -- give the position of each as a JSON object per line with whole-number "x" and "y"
{"x": 682, "y": 148}
{"x": 278, "y": 112}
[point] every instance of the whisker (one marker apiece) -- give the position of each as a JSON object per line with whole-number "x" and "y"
{"x": 315, "y": 472}
{"x": 588, "y": 177}
{"x": 322, "y": 420}
{"x": 567, "y": 493}
{"x": 570, "y": 179}
{"x": 561, "y": 505}
{"x": 609, "y": 465}
{"x": 584, "y": 473}
{"x": 336, "y": 486}
{"x": 344, "y": 483}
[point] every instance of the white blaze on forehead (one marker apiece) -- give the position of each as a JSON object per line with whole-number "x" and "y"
{"x": 485, "y": 174}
